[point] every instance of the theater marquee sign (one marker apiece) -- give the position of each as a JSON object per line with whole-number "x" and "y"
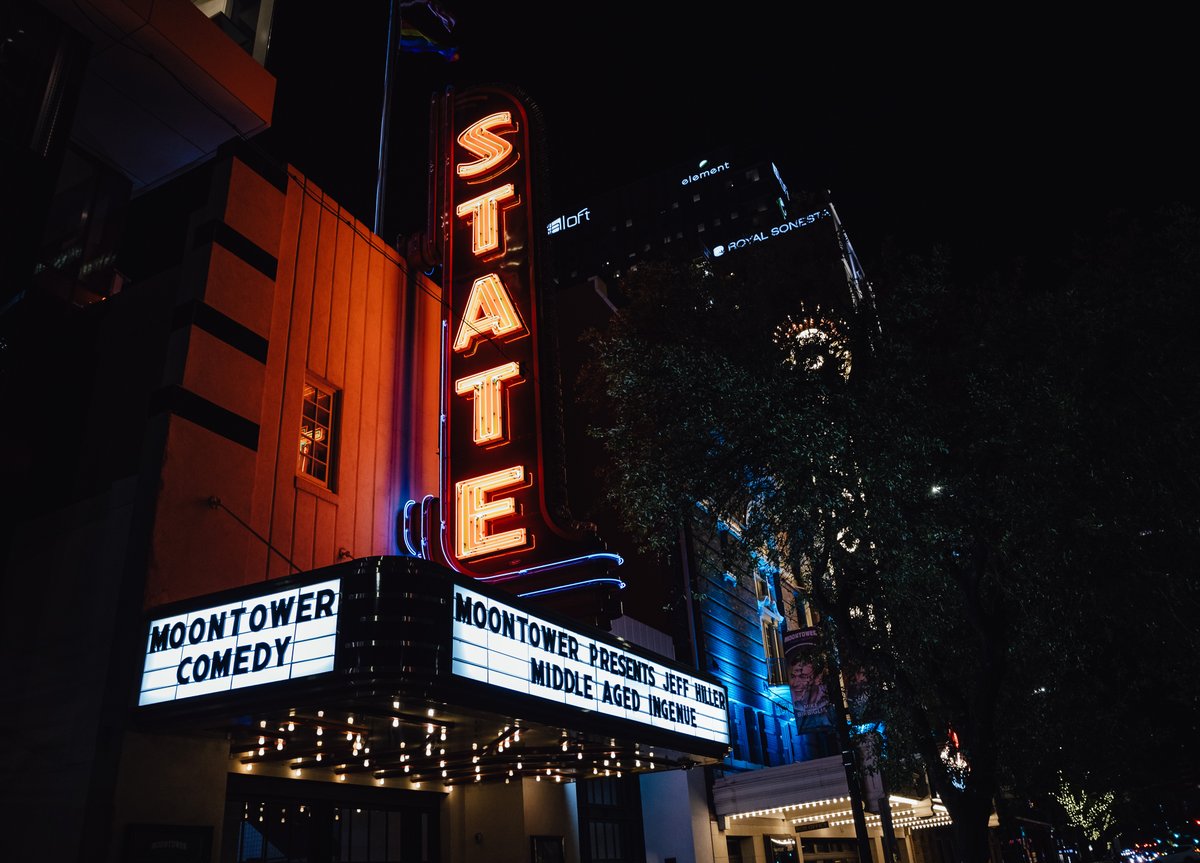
{"x": 415, "y": 631}
{"x": 282, "y": 635}
{"x": 501, "y": 645}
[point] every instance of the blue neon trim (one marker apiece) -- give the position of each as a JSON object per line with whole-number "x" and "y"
{"x": 620, "y": 585}
{"x": 560, "y": 564}
{"x": 407, "y": 529}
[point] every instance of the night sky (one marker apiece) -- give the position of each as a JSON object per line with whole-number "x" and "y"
{"x": 990, "y": 134}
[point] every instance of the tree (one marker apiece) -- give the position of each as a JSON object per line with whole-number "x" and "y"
{"x": 963, "y": 492}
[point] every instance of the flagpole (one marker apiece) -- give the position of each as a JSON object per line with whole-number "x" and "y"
{"x": 386, "y": 114}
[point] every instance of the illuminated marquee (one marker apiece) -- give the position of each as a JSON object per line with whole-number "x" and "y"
{"x": 497, "y": 644}
{"x": 496, "y": 522}
{"x": 280, "y": 636}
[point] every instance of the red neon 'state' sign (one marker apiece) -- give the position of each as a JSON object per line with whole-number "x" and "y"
{"x": 493, "y": 461}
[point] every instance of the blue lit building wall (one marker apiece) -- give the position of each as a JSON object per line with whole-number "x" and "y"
{"x": 728, "y": 620}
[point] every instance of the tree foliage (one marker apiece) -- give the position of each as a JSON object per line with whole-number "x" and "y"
{"x": 997, "y": 510}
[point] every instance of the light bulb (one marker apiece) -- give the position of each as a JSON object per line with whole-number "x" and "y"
{"x": 291, "y": 726}
{"x": 395, "y": 722}
{"x": 320, "y": 731}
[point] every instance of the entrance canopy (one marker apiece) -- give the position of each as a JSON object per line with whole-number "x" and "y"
{"x": 394, "y": 668}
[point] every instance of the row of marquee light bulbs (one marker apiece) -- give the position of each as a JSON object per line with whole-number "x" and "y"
{"x": 845, "y": 817}
{"x": 272, "y": 746}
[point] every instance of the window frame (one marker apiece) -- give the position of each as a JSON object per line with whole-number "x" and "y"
{"x": 331, "y": 436}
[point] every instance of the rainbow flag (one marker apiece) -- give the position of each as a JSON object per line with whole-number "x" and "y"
{"x": 413, "y": 41}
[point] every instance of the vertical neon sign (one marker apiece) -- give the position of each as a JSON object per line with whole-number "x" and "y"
{"x": 495, "y": 521}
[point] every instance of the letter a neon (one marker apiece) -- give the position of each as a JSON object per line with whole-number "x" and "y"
{"x": 489, "y": 311}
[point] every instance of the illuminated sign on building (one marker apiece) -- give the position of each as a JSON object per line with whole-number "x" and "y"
{"x": 498, "y": 644}
{"x": 777, "y": 231}
{"x": 562, "y": 223}
{"x": 279, "y": 636}
{"x": 495, "y": 516}
{"x": 705, "y": 173}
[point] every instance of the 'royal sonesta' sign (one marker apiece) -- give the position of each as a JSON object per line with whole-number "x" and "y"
{"x": 498, "y": 644}
{"x": 497, "y": 523}
{"x": 281, "y": 635}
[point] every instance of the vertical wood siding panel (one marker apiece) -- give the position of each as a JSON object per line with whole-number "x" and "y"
{"x": 352, "y": 399}
{"x": 318, "y": 341}
{"x": 367, "y": 491}
{"x": 385, "y": 501}
{"x": 269, "y": 443}
{"x": 282, "y": 515}
{"x": 324, "y": 547}
{"x": 302, "y": 530}
{"x": 339, "y": 309}
{"x": 389, "y": 408}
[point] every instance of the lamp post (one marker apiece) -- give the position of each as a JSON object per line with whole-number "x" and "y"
{"x": 850, "y": 759}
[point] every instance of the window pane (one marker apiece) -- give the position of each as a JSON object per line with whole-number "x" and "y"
{"x": 316, "y": 434}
